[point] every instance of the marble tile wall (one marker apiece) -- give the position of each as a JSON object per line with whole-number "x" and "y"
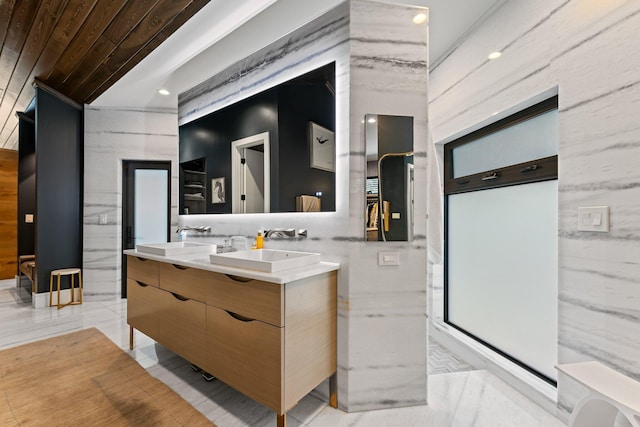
{"x": 381, "y": 67}
{"x": 589, "y": 52}
{"x": 112, "y": 135}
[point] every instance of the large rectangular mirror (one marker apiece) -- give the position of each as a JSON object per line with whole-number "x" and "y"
{"x": 271, "y": 152}
{"x": 389, "y": 185}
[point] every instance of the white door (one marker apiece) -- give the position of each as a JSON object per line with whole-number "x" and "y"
{"x": 253, "y": 181}
{"x": 250, "y": 182}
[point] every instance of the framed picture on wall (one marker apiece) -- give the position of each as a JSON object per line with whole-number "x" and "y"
{"x": 323, "y": 147}
{"x": 217, "y": 190}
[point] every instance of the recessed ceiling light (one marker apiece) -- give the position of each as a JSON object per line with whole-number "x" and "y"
{"x": 419, "y": 18}
{"x": 163, "y": 92}
{"x": 495, "y": 55}
{"x": 371, "y": 120}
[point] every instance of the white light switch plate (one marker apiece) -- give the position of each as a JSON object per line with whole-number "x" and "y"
{"x": 388, "y": 258}
{"x": 593, "y": 218}
{"x": 102, "y": 219}
{"x": 28, "y": 218}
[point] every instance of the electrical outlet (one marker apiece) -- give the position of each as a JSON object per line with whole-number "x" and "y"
{"x": 102, "y": 219}
{"x": 388, "y": 258}
{"x": 28, "y": 218}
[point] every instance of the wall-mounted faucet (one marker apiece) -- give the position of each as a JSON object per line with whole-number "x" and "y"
{"x": 199, "y": 229}
{"x": 284, "y": 233}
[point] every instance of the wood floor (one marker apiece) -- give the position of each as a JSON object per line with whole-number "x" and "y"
{"x": 471, "y": 398}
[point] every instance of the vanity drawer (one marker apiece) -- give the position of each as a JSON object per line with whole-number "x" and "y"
{"x": 143, "y": 270}
{"x": 245, "y": 354}
{"x": 185, "y": 281}
{"x": 254, "y": 299}
{"x": 142, "y": 307}
{"x": 175, "y": 322}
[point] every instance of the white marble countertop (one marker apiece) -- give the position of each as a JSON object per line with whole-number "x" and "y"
{"x": 202, "y": 262}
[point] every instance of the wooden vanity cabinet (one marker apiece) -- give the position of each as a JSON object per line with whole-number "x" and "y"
{"x": 246, "y": 354}
{"x": 188, "y": 282}
{"x": 272, "y": 342}
{"x": 172, "y": 317}
{"x": 276, "y": 362}
{"x": 174, "y": 321}
{"x": 143, "y": 270}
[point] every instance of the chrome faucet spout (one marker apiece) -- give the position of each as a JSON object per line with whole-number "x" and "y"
{"x": 280, "y": 232}
{"x": 199, "y": 229}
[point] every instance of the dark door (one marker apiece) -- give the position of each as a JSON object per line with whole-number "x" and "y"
{"x": 146, "y": 206}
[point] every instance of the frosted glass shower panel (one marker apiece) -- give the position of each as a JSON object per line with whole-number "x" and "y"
{"x": 150, "y": 206}
{"x": 502, "y": 270}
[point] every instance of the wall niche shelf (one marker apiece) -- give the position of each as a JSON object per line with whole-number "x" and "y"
{"x": 193, "y": 180}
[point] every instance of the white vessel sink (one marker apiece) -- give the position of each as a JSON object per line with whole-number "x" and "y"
{"x": 176, "y": 248}
{"x": 267, "y": 260}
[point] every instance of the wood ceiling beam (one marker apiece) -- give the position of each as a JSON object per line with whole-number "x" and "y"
{"x": 127, "y": 19}
{"x": 6, "y": 10}
{"x": 19, "y": 25}
{"x": 137, "y": 45}
{"x": 43, "y": 25}
{"x": 168, "y": 29}
{"x": 79, "y": 48}
{"x": 66, "y": 26}
{"x": 92, "y": 28}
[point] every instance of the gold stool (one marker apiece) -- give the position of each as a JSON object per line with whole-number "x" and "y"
{"x": 65, "y": 272}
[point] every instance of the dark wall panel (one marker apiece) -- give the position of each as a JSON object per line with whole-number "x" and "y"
{"x": 211, "y": 137}
{"x": 298, "y": 106}
{"x": 59, "y": 186}
{"x": 26, "y": 185}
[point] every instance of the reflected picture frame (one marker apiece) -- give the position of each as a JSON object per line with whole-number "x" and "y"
{"x": 322, "y": 147}
{"x": 217, "y": 191}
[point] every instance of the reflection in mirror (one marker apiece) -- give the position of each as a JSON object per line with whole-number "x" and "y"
{"x": 250, "y": 172}
{"x": 272, "y": 152}
{"x": 389, "y": 184}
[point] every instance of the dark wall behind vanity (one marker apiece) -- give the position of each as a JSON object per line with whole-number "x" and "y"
{"x": 297, "y": 106}
{"x": 210, "y": 137}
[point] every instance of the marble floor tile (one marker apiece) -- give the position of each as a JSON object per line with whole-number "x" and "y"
{"x": 440, "y": 360}
{"x": 480, "y": 399}
{"x": 471, "y": 398}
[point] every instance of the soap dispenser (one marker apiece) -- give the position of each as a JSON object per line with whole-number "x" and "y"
{"x": 259, "y": 240}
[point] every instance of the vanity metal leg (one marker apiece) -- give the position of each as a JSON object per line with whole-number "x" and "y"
{"x": 130, "y": 337}
{"x": 281, "y": 420}
{"x": 333, "y": 390}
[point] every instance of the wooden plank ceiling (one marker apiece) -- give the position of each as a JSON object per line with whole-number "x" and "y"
{"x": 78, "y": 47}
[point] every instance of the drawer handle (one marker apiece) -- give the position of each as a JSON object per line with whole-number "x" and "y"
{"x": 179, "y": 297}
{"x": 143, "y": 285}
{"x": 238, "y": 278}
{"x": 239, "y": 317}
{"x": 141, "y": 259}
{"x": 180, "y": 267}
